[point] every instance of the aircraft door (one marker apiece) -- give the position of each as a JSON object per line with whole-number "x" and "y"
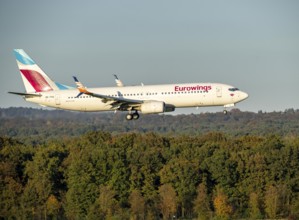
{"x": 219, "y": 91}
{"x": 57, "y": 99}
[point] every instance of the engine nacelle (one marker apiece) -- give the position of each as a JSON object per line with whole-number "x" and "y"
{"x": 169, "y": 108}
{"x": 152, "y": 107}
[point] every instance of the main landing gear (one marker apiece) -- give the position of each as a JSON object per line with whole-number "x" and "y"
{"x": 225, "y": 111}
{"x": 131, "y": 116}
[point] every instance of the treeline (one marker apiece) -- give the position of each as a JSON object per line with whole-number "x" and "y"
{"x": 148, "y": 176}
{"x": 44, "y": 124}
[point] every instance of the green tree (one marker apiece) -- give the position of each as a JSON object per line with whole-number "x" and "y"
{"x": 223, "y": 209}
{"x": 11, "y": 190}
{"x": 294, "y": 209}
{"x": 13, "y": 156}
{"x": 145, "y": 160}
{"x": 271, "y": 201}
{"x": 53, "y": 206}
{"x": 44, "y": 178}
{"x": 168, "y": 201}
{"x": 254, "y": 206}
{"x": 202, "y": 203}
{"x": 182, "y": 174}
{"x": 137, "y": 204}
{"x": 81, "y": 181}
{"x": 105, "y": 206}
{"x": 118, "y": 174}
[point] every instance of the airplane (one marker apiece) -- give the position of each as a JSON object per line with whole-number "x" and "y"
{"x": 145, "y": 99}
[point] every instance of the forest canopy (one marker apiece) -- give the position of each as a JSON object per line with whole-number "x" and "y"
{"x": 146, "y": 174}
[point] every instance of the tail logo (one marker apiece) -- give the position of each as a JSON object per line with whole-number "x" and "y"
{"x": 36, "y": 80}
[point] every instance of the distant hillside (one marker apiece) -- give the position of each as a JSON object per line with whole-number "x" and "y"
{"x": 24, "y": 122}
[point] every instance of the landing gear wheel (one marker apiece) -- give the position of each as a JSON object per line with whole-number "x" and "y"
{"x": 129, "y": 117}
{"x": 225, "y": 112}
{"x": 135, "y": 116}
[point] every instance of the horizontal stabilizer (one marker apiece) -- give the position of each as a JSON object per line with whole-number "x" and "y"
{"x": 26, "y": 95}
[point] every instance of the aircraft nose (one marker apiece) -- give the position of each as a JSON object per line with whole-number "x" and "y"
{"x": 244, "y": 95}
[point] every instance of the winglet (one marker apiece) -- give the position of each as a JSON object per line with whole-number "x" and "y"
{"x": 80, "y": 87}
{"x": 75, "y": 78}
{"x": 119, "y": 83}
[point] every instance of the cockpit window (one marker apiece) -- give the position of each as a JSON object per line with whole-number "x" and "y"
{"x": 233, "y": 89}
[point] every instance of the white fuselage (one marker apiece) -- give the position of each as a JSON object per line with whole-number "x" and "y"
{"x": 177, "y": 95}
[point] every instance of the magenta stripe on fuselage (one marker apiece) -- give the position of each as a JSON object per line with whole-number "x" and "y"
{"x": 36, "y": 80}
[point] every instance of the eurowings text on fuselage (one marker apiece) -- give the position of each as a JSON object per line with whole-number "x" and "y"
{"x": 147, "y": 99}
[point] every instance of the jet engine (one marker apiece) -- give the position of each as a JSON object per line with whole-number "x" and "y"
{"x": 152, "y": 107}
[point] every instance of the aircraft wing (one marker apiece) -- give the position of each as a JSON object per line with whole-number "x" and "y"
{"x": 117, "y": 103}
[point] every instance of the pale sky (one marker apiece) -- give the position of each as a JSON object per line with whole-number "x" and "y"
{"x": 250, "y": 44}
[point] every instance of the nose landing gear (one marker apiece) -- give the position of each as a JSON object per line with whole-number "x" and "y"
{"x": 227, "y": 106}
